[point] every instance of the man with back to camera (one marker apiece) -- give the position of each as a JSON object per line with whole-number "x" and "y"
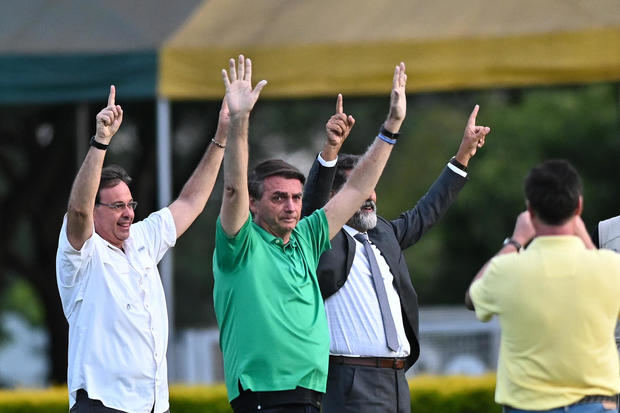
{"x": 109, "y": 285}
{"x": 273, "y": 331}
{"x": 557, "y": 302}
{"x": 367, "y": 367}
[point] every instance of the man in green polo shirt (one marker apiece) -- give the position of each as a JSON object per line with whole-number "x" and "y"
{"x": 273, "y": 330}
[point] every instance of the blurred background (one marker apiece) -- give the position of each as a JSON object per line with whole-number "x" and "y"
{"x": 545, "y": 74}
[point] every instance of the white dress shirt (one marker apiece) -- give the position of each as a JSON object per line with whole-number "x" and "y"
{"x": 353, "y": 313}
{"x": 118, "y": 322}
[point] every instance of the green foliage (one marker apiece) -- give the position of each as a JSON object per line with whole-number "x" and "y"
{"x": 20, "y": 297}
{"x": 446, "y": 394}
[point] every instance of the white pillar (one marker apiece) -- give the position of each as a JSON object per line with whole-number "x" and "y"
{"x": 164, "y": 198}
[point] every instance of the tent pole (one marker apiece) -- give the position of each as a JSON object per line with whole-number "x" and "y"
{"x": 164, "y": 198}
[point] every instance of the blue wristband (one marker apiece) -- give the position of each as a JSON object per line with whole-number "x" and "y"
{"x": 386, "y": 139}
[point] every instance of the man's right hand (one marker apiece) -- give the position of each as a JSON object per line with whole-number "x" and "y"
{"x": 338, "y": 128}
{"x": 109, "y": 119}
{"x": 398, "y": 100}
{"x": 524, "y": 230}
{"x": 240, "y": 97}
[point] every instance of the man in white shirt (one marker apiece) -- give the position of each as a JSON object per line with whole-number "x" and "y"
{"x": 370, "y": 302}
{"x": 106, "y": 268}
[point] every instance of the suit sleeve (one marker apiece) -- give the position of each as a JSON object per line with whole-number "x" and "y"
{"x": 318, "y": 187}
{"x": 412, "y": 224}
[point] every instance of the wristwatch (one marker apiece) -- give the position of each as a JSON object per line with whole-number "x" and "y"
{"x": 514, "y": 243}
{"x": 97, "y": 145}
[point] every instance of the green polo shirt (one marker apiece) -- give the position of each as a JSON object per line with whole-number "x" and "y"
{"x": 273, "y": 329}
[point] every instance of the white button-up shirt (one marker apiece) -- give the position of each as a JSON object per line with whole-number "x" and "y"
{"x": 353, "y": 313}
{"x": 118, "y": 322}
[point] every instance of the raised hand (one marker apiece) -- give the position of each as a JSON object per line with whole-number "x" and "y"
{"x": 109, "y": 119}
{"x": 473, "y": 138}
{"x": 240, "y": 97}
{"x": 398, "y": 100}
{"x": 524, "y": 229}
{"x": 338, "y": 126}
{"x": 582, "y": 232}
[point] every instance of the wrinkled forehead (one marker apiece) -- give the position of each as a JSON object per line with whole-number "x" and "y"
{"x": 117, "y": 193}
{"x": 282, "y": 185}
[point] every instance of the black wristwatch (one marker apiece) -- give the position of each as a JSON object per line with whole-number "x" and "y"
{"x": 97, "y": 145}
{"x": 514, "y": 243}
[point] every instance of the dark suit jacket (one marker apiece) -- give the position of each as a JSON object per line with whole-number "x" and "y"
{"x": 390, "y": 237}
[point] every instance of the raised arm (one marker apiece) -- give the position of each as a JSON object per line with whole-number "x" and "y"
{"x": 321, "y": 177}
{"x": 366, "y": 174}
{"x": 240, "y": 98}
{"x": 84, "y": 190}
{"x": 523, "y": 233}
{"x": 197, "y": 190}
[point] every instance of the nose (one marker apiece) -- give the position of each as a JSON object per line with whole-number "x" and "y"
{"x": 128, "y": 211}
{"x": 373, "y": 196}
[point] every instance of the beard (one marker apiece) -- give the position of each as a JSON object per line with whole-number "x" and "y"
{"x": 364, "y": 219}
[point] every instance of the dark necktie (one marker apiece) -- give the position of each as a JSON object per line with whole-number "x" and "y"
{"x": 384, "y": 304}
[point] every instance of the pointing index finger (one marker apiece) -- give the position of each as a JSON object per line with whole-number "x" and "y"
{"x": 112, "y": 96}
{"x": 339, "y": 108}
{"x": 471, "y": 122}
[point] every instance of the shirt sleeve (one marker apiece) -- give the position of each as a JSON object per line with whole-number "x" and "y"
{"x": 313, "y": 231}
{"x": 157, "y": 232}
{"x": 483, "y": 293}
{"x": 231, "y": 251}
{"x": 71, "y": 267}
{"x": 70, "y": 261}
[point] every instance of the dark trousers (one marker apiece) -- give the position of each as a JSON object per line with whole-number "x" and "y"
{"x": 298, "y": 400}
{"x": 85, "y": 405}
{"x": 357, "y": 389}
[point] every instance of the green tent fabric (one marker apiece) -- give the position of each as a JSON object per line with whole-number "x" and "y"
{"x": 321, "y": 47}
{"x": 72, "y": 50}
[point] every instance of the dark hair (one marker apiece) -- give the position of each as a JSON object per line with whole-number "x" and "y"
{"x": 111, "y": 175}
{"x": 552, "y": 189}
{"x": 271, "y": 167}
{"x": 346, "y": 162}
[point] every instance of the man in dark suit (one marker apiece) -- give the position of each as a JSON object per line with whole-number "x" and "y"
{"x": 374, "y": 340}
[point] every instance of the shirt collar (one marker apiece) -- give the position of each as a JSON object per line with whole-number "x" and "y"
{"x": 272, "y": 239}
{"x": 351, "y": 231}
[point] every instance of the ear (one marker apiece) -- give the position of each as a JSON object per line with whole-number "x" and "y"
{"x": 529, "y": 208}
{"x": 579, "y": 209}
{"x": 253, "y": 206}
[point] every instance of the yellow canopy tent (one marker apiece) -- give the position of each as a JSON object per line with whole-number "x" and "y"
{"x": 321, "y": 47}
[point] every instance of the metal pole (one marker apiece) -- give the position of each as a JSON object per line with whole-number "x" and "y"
{"x": 164, "y": 198}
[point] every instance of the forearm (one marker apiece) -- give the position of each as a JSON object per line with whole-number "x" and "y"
{"x": 330, "y": 152}
{"x": 82, "y": 198}
{"x": 235, "y": 202}
{"x": 197, "y": 190}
